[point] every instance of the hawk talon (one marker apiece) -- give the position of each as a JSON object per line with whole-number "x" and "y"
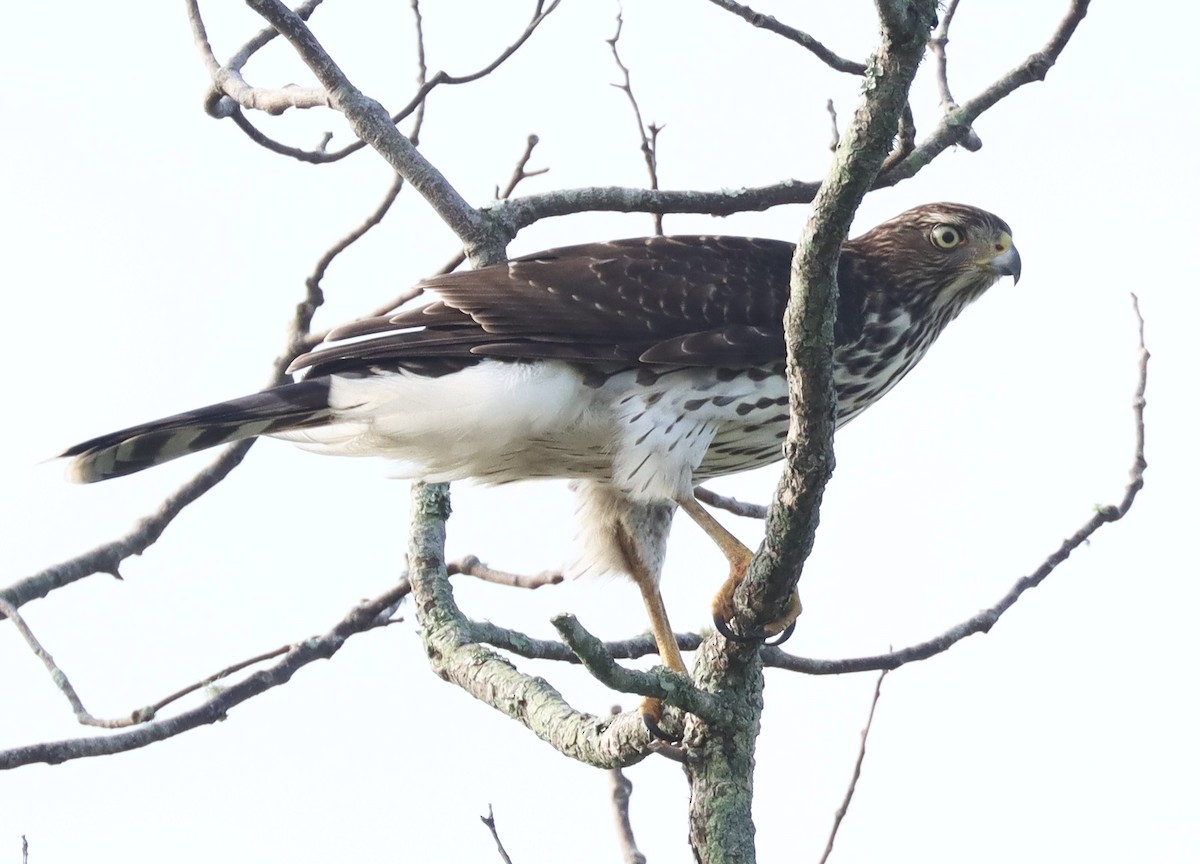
{"x": 754, "y": 636}
{"x": 652, "y": 714}
{"x": 782, "y": 637}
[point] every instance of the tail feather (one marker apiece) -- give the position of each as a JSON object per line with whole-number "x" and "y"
{"x": 292, "y": 406}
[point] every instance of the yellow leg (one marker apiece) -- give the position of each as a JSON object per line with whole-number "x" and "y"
{"x": 739, "y": 558}
{"x": 660, "y": 625}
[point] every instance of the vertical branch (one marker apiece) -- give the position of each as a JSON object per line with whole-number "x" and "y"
{"x": 858, "y": 763}
{"x": 969, "y": 140}
{"x": 647, "y": 133}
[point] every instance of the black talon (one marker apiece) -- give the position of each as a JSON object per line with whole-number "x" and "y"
{"x": 784, "y": 636}
{"x": 657, "y": 732}
{"x": 757, "y": 636}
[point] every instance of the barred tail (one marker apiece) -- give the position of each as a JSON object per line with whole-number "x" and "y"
{"x": 292, "y": 406}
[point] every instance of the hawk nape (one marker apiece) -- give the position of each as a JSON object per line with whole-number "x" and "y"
{"x": 635, "y": 368}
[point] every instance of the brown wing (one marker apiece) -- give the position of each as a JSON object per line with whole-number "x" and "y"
{"x": 661, "y": 301}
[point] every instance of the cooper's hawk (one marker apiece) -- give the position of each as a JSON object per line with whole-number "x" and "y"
{"x": 634, "y": 368}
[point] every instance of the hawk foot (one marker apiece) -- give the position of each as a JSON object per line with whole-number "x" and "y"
{"x": 652, "y": 716}
{"x": 782, "y": 628}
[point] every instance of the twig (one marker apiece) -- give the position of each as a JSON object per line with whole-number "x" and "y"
{"x": 365, "y": 616}
{"x": 611, "y": 742}
{"x": 836, "y": 136}
{"x": 985, "y": 620}
{"x": 672, "y": 687}
{"x": 108, "y": 557}
{"x": 490, "y": 821}
{"x": 472, "y": 566}
{"x": 300, "y": 335}
{"x": 734, "y": 506}
{"x": 862, "y": 752}
{"x": 227, "y": 106}
{"x": 621, "y": 788}
{"x": 949, "y": 131}
{"x": 767, "y": 22}
{"x": 647, "y": 133}
{"x": 520, "y": 170}
{"x": 371, "y": 123}
{"x": 970, "y": 140}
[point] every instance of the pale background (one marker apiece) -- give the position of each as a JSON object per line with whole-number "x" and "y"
{"x": 152, "y": 257}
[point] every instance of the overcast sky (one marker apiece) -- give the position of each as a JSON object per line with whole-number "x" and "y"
{"x": 153, "y": 256}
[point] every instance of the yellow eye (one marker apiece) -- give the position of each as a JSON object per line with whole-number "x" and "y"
{"x": 946, "y": 237}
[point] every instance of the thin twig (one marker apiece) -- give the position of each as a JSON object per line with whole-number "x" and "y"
{"x": 950, "y": 130}
{"x": 647, "y": 133}
{"x": 937, "y": 44}
{"x": 490, "y": 821}
{"x": 228, "y": 106}
{"x": 472, "y": 566}
{"x": 734, "y": 506}
{"x": 365, "y": 616}
{"x": 836, "y": 137}
{"x": 621, "y": 789}
{"x": 985, "y": 620}
{"x": 521, "y": 171}
{"x": 767, "y": 22}
{"x": 858, "y": 763}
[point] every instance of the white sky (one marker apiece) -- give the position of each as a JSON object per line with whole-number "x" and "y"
{"x": 153, "y": 256}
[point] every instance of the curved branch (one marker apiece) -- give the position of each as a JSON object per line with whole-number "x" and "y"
{"x": 605, "y": 742}
{"x": 768, "y": 22}
{"x": 986, "y": 619}
{"x": 226, "y": 104}
{"x": 955, "y": 125}
{"x": 363, "y": 617}
{"x": 109, "y": 557}
{"x": 372, "y": 124}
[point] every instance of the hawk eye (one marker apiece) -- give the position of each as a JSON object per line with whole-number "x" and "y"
{"x": 946, "y": 237}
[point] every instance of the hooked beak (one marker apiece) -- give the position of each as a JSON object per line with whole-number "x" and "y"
{"x": 1007, "y": 261}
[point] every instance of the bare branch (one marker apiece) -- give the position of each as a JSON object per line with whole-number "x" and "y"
{"x": 520, "y": 171}
{"x": 300, "y": 337}
{"x": 364, "y": 617}
{"x": 738, "y": 508}
{"x": 951, "y": 129}
{"x": 224, "y": 106}
{"x": 671, "y": 687}
{"x": 858, "y": 763}
{"x": 767, "y": 22}
{"x": 970, "y": 140}
{"x": 836, "y": 136}
{"x": 447, "y": 635}
{"x": 472, "y": 566}
{"x": 808, "y": 322}
{"x": 372, "y": 124}
{"x": 648, "y": 134}
{"x": 109, "y": 557}
{"x": 621, "y": 789}
{"x": 985, "y": 620}
{"x": 490, "y": 821}
{"x": 513, "y": 642}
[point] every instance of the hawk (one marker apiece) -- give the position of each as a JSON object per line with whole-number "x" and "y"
{"x": 634, "y": 368}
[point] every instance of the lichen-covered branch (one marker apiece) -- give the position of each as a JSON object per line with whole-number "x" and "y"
{"x": 721, "y": 775}
{"x": 605, "y": 742}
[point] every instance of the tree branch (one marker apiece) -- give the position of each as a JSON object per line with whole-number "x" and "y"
{"x": 611, "y": 742}
{"x": 372, "y": 124}
{"x": 363, "y": 617}
{"x": 954, "y": 126}
{"x": 767, "y": 22}
{"x": 858, "y": 763}
{"x": 986, "y": 619}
